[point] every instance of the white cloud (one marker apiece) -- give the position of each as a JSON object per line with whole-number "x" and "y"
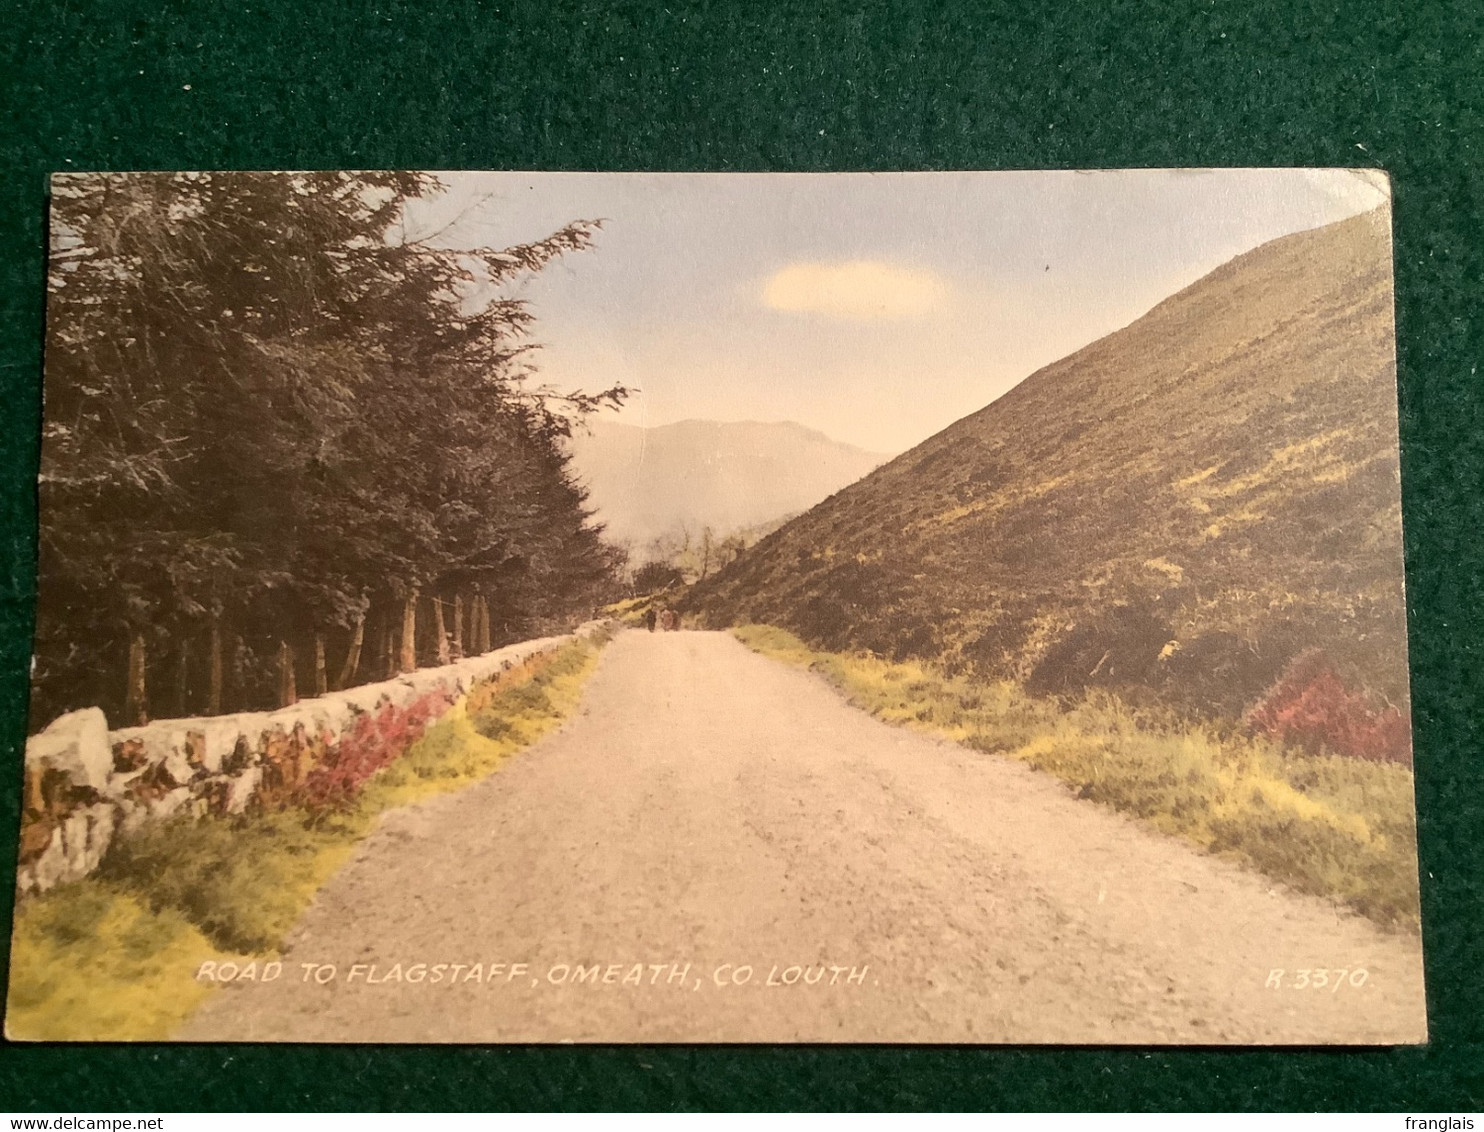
{"x": 857, "y": 289}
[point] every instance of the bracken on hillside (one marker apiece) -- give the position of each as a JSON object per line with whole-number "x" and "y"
{"x": 1175, "y": 511}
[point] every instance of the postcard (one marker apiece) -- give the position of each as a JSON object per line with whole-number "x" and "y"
{"x": 557, "y": 607}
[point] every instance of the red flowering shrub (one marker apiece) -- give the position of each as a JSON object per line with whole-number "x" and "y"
{"x": 1310, "y": 707}
{"x": 374, "y": 740}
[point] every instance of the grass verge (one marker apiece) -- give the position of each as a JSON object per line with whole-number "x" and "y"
{"x": 1338, "y": 827}
{"x": 112, "y": 957}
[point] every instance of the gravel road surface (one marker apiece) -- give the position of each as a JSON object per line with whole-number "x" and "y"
{"x": 717, "y": 848}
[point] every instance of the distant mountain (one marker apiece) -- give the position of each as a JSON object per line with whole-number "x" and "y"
{"x": 647, "y": 483}
{"x": 1182, "y": 505}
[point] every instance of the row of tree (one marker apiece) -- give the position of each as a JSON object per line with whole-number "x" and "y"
{"x": 686, "y": 554}
{"x": 277, "y": 428}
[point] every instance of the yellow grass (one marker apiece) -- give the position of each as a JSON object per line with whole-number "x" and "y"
{"x": 996, "y": 503}
{"x": 89, "y": 963}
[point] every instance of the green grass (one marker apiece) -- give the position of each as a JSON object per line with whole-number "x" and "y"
{"x": 112, "y": 957}
{"x": 632, "y": 611}
{"x": 1337, "y": 827}
{"x": 90, "y": 962}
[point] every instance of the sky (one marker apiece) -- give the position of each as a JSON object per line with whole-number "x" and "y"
{"x": 877, "y": 308}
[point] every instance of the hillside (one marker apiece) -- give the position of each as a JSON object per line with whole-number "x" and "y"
{"x": 1181, "y": 506}
{"x": 648, "y": 483}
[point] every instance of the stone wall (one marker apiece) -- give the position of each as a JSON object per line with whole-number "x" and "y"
{"x": 85, "y": 785}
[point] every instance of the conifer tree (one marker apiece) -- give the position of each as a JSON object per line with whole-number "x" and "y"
{"x": 272, "y": 420}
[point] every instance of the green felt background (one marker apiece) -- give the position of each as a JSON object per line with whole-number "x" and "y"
{"x": 167, "y": 84}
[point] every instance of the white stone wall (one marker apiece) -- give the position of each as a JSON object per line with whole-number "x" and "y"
{"x": 193, "y": 761}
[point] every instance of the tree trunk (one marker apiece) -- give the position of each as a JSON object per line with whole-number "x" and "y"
{"x": 458, "y": 626}
{"x": 353, "y": 654}
{"x": 214, "y": 694}
{"x": 407, "y": 661}
{"x": 321, "y": 680}
{"x": 136, "y": 701}
{"x": 182, "y": 679}
{"x": 388, "y": 653}
{"x": 483, "y": 617}
{"x": 234, "y": 691}
{"x": 440, "y": 631}
{"x": 288, "y": 693}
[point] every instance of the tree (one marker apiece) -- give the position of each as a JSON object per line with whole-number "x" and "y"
{"x": 274, "y": 419}
{"x": 708, "y": 549}
{"x": 654, "y": 577}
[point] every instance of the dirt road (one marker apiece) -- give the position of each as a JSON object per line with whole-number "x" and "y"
{"x": 713, "y": 822}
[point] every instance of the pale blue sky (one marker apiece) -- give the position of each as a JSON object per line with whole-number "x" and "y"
{"x": 877, "y": 308}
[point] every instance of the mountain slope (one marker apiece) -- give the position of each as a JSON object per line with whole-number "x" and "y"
{"x": 648, "y": 482}
{"x": 1184, "y": 504}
